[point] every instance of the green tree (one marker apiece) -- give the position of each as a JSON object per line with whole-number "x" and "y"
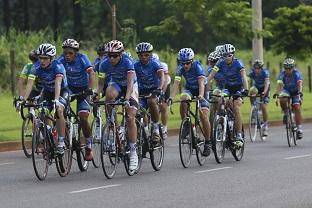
{"x": 292, "y": 31}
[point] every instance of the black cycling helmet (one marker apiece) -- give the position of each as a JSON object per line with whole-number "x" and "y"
{"x": 258, "y": 64}
{"x": 33, "y": 55}
{"x": 101, "y": 49}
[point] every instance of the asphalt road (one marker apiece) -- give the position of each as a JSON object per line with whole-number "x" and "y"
{"x": 270, "y": 175}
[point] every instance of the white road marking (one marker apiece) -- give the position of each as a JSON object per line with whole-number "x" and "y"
{"x": 8, "y": 163}
{"x": 95, "y": 188}
{"x": 299, "y": 156}
{"x": 210, "y": 170}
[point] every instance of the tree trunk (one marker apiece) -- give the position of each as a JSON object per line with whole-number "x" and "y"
{"x": 55, "y": 19}
{"x": 26, "y": 15}
{"x": 6, "y": 15}
{"x": 78, "y": 32}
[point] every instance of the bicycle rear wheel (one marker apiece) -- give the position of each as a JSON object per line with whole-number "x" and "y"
{"x": 185, "y": 142}
{"x": 27, "y": 133}
{"x": 218, "y": 140}
{"x": 109, "y": 150}
{"x": 200, "y": 143}
{"x": 96, "y": 146}
{"x": 157, "y": 151}
{"x": 238, "y": 152}
{"x": 253, "y": 123}
{"x": 40, "y": 152}
{"x": 140, "y": 140}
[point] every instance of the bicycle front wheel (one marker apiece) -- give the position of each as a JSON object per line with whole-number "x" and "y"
{"x": 109, "y": 150}
{"x": 27, "y": 133}
{"x": 185, "y": 142}
{"x": 157, "y": 152}
{"x": 40, "y": 152}
{"x": 291, "y": 137}
{"x": 218, "y": 140}
{"x": 200, "y": 143}
{"x": 253, "y": 124}
{"x": 96, "y": 146}
{"x": 238, "y": 152}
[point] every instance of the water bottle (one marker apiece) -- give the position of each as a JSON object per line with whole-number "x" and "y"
{"x": 54, "y": 135}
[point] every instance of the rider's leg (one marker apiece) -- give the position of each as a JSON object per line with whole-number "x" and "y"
{"x": 152, "y": 104}
{"x": 238, "y": 116}
{"x": 298, "y": 116}
{"x": 164, "y": 118}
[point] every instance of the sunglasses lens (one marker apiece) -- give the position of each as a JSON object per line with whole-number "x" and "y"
{"x": 113, "y": 55}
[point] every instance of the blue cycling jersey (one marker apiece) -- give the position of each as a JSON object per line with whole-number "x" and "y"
{"x": 117, "y": 73}
{"x": 232, "y": 72}
{"x": 258, "y": 79}
{"x": 147, "y": 74}
{"x": 164, "y": 66}
{"x": 97, "y": 62}
{"x": 191, "y": 77}
{"x": 76, "y": 71}
{"x": 290, "y": 83}
{"x": 219, "y": 78}
{"x": 48, "y": 75}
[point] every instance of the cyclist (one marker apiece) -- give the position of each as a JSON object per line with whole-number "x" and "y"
{"x": 102, "y": 54}
{"x": 150, "y": 77}
{"x": 53, "y": 76}
{"x": 261, "y": 85}
{"x": 120, "y": 72}
{"x": 195, "y": 79}
{"x": 80, "y": 76}
{"x": 235, "y": 83}
{"x": 166, "y": 94}
{"x": 219, "y": 80}
{"x": 289, "y": 83}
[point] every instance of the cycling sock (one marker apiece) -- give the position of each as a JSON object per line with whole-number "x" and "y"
{"x": 299, "y": 127}
{"x": 132, "y": 147}
{"x": 164, "y": 128}
{"x": 88, "y": 142}
{"x": 239, "y": 135}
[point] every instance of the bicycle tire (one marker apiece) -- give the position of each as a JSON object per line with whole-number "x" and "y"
{"x": 157, "y": 151}
{"x": 185, "y": 142}
{"x": 109, "y": 151}
{"x": 63, "y": 163}
{"x": 253, "y": 123}
{"x": 27, "y": 132}
{"x": 96, "y": 146}
{"x": 199, "y": 143}
{"x": 218, "y": 140}
{"x": 80, "y": 153}
{"x": 238, "y": 153}
{"x": 40, "y": 151}
{"x": 140, "y": 139}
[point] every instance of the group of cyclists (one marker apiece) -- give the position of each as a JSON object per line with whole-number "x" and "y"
{"x": 120, "y": 76}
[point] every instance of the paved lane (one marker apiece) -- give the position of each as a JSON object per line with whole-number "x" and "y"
{"x": 270, "y": 175}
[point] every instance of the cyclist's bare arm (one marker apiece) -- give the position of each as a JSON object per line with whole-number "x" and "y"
{"x": 29, "y": 86}
{"x": 21, "y": 85}
{"x": 91, "y": 77}
{"x": 130, "y": 76}
{"x": 201, "y": 81}
{"x": 57, "y": 88}
{"x": 210, "y": 77}
{"x": 100, "y": 83}
{"x": 266, "y": 85}
{"x": 167, "y": 78}
{"x": 162, "y": 79}
{"x": 175, "y": 87}
{"x": 244, "y": 77}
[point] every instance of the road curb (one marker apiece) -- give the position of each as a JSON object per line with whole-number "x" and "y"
{"x": 16, "y": 145}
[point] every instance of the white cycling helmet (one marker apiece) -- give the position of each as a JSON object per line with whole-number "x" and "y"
{"x": 186, "y": 54}
{"x": 214, "y": 56}
{"x": 144, "y": 47}
{"x": 227, "y": 49}
{"x": 115, "y": 46}
{"x": 46, "y": 49}
{"x": 70, "y": 43}
{"x": 289, "y": 63}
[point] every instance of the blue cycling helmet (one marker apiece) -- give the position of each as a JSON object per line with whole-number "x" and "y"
{"x": 144, "y": 47}
{"x": 186, "y": 54}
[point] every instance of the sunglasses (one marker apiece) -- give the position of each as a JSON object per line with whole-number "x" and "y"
{"x": 69, "y": 53}
{"x": 114, "y": 55}
{"x": 228, "y": 55}
{"x": 186, "y": 63}
{"x": 44, "y": 57}
{"x": 144, "y": 54}
{"x": 288, "y": 68}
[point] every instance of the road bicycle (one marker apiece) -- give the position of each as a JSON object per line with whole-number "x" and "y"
{"x": 256, "y": 124}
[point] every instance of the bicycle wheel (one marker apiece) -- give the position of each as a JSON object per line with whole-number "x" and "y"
{"x": 238, "y": 152}
{"x": 253, "y": 123}
{"x": 96, "y": 145}
{"x": 185, "y": 142}
{"x": 291, "y": 137}
{"x": 80, "y": 152}
{"x": 140, "y": 138}
{"x": 157, "y": 151}
{"x": 200, "y": 143}
{"x": 27, "y": 133}
{"x": 40, "y": 152}
{"x": 218, "y": 140}
{"x": 63, "y": 163}
{"x": 109, "y": 150}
